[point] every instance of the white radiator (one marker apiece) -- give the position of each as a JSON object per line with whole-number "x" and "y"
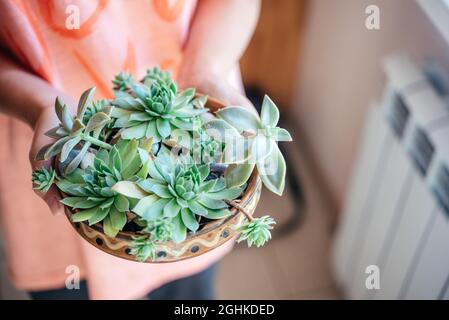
{"x": 396, "y": 214}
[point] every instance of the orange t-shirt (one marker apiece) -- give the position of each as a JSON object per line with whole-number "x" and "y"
{"x": 113, "y": 35}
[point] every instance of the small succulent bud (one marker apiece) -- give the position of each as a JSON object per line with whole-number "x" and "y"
{"x": 160, "y": 229}
{"x": 257, "y": 231}
{"x": 143, "y": 248}
{"x": 43, "y": 178}
{"x": 122, "y": 81}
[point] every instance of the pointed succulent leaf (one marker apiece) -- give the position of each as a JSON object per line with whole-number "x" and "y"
{"x": 98, "y": 120}
{"x": 77, "y": 128}
{"x": 136, "y": 132}
{"x": 84, "y": 102}
{"x": 156, "y": 210}
{"x": 189, "y": 220}
{"x": 237, "y": 174}
{"x": 282, "y": 135}
{"x": 73, "y": 164}
{"x": 270, "y": 113}
{"x": 261, "y": 148}
{"x": 99, "y": 215}
{"x": 240, "y": 118}
{"x": 68, "y": 147}
{"x": 172, "y": 208}
{"x": 179, "y": 230}
{"x": 211, "y": 203}
{"x": 228, "y": 194}
{"x": 197, "y": 208}
{"x": 272, "y": 171}
{"x": 121, "y": 203}
{"x": 221, "y": 130}
{"x": 57, "y": 132}
{"x": 129, "y": 189}
{"x": 84, "y": 215}
{"x": 51, "y": 150}
{"x": 218, "y": 214}
{"x": 63, "y": 114}
{"x": 144, "y": 204}
{"x": 109, "y": 228}
{"x": 118, "y": 218}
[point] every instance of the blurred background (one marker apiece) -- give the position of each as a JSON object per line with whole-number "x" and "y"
{"x": 368, "y": 179}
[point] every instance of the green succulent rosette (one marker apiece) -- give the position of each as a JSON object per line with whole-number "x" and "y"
{"x": 154, "y": 108}
{"x": 91, "y": 192}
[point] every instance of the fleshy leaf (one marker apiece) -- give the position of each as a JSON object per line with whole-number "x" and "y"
{"x": 179, "y": 230}
{"x": 129, "y": 189}
{"x": 270, "y": 113}
{"x": 240, "y": 118}
{"x": 144, "y": 204}
{"x": 189, "y": 220}
{"x": 85, "y": 101}
{"x": 237, "y": 174}
{"x": 272, "y": 171}
{"x": 220, "y": 130}
{"x": 282, "y": 135}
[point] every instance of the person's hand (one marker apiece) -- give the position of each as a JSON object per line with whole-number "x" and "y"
{"x": 45, "y": 121}
{"x": 214, "y": 86}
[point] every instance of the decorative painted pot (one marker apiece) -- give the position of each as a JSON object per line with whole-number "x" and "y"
{"x": 210, "y": 236}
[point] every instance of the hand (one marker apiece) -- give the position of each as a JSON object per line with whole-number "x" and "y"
{"x": 46, "y": 120}
{"x": 214, "y": 85}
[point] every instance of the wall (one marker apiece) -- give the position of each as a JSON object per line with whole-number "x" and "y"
{"x": 270, "y": 62}
{"x": 339, "y": 75}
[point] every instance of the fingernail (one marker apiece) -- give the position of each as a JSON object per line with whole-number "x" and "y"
{"x": 55, "y": 206}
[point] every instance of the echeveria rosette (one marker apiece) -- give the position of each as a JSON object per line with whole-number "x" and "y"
{"x": 256, "y": 232}
{"x": 91, "y": 190}
{"x": 262, "y": 135}
{"x": 154, "y": 109}
{"x": 73, "y": 133}
{"x": 43, "y": 179}
{"x": 180, "y": 191}
{"x": 123, "y": 81}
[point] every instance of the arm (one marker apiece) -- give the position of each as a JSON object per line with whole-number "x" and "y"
{"x": 29, "y": 98}
{"x": 220, "y": 33}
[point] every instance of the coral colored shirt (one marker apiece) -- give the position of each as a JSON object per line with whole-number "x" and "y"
{"x": 113, "y": 35}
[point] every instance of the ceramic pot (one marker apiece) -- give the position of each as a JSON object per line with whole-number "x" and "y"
{"x": 210, "y": 236}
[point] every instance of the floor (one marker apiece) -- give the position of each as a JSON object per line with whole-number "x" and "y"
{"x": 292, "y": 267}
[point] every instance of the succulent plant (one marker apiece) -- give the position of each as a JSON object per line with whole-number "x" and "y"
{"x": 256, "y": 232}
{"x": 123, "y": 81}
{"x": 72, "y": 132}
{"x": 261, "y": 136}
{"x": 180, "y": 190}
{"x": 158, "y": 230}
{"x": 43, "y": 179}
{"x": 154, "y": 108}
{"x": 143, "y": 248}
{"x": 91, "y": 190}
{"x": 150, "y": 156}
